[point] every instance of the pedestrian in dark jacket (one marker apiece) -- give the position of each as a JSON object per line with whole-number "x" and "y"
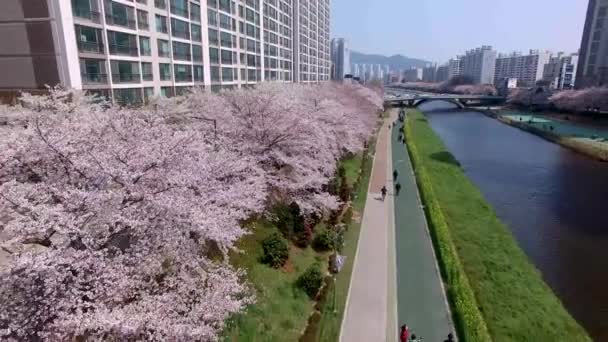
{"x": 397, "y": 188}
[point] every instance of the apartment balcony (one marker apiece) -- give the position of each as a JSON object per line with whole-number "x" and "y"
{"x": 120, "y": 21}
{"x": 124, "y": 50}
{"x": 181, "y": 34}
{"x": 94, "y": 78}
{"x": 160, "y": 4}
{"x": 147, "y": 76}
{"x": 85, "y": 13}
{"x": 179, "y": 11}
{"x": 126, "y": 78}
{"x": 182, "y": 56}
{"x": 90, "y": 47}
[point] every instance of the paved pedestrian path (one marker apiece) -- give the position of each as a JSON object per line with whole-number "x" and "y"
{"x": 421, "y": 297}
{"x": 370, "y": 314}
{"x": 395, "y": 279}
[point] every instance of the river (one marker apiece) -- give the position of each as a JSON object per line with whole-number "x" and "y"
{"x": 554, "y": 201}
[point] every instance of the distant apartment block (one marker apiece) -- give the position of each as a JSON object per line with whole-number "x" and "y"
{"x": 527, "y": 69}
{"x": 455, "y": 67}
{"x": 443, "y": 73}
{"x": 340, "y": 58}
{"x": 592, "y": 67}
{"x": 429, "y": 73}
{"x": 130, "y": 50}
{"x": 561, "y": 70}
{"x": 479, "y": 64}
{"x": 413, "y": 75}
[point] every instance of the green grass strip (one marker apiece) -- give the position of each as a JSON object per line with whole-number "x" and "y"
{"x": 495, "y": 292}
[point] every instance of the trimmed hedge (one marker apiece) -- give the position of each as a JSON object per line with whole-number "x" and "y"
{"x": 468, "y": 319}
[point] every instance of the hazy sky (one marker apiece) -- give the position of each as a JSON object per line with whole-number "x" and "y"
{"x": 436, "y": 30}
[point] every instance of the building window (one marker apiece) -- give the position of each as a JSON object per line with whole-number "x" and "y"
{"x": 180, "y": 29}
{"x": 211, "y": 17}
{"x": 121, "y": 43}
{"x": 225, "y": 6}
{"x": 119, "y": 14}
{"x": 183, "y": 73}
{"x": 226, "y": 57}
{"x": 198, "y": 73}
{"x": 129, "y": 96}
{"x": 160, "y": 4}
{"x": 144, "y": 46}
{"x": 125, "y": 72}
{"x": 142, "y": 20}
{"x": 93, "y": 71}
{"x": 89, "y": 39}
{"x": 166, "y": 91}
{"x": 225, "y": 22}
{"x": 215, "y": 74}
{"x": 179, "y": 91}
{"x": 214, "y": 55}
{"x": 180, "y": 7}
{"x": 86, "y": 9}
{"x": 164, "y": 71}
{"x": 196, "y": 32}
{"x": 146, "y": 71}
{"x": 181, "y": 51}
{"x": 163, "y": 48}
{"x": 161, "y": 24}
{"x": 195, "y": 12}
{"x": 148, "y": 94}
{"x": 227, "y": 75}
{"x": 197, "y": 53}
{"x": 213, "y": 37}
{"x": 226, "y": 39}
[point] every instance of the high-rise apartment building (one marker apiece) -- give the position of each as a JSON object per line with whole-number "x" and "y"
{"x": 312, "y": 61}
{"x": 593, "y": 58}
{"x": 455, "y": 67}
{"x": 412, "y": 75}
{"x": 429, "y": 73}
{"x": 130, "y": 50}
{"x": 561, "y": 70}
{"x": 527, "y": 69}
{"x": 340, "y": 58}
{"x": 479, "y": 64}
{"x": 443, "y": 73}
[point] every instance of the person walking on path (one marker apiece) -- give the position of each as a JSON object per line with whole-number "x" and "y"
{"x": 450, "y": 338}
{"x": 395, "y": 174}
{"x": 397, "y": 188}
{"x": 405, "y": 334}
{"x": 383, "y": 191}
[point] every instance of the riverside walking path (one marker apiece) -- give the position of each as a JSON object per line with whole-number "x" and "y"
{"x": 422, "y": 303}
{"x": 395, "y": 279}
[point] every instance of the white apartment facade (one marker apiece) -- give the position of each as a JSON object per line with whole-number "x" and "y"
{"x": 527, "y": 69}
{"x": 560, "y": 71}
{"x": 130, "y": 50}
{"x": 479, "y": 64}
{"x": 455, "y": 67}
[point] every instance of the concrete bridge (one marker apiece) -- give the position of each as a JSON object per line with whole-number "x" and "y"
{"x": 462, "y": 101}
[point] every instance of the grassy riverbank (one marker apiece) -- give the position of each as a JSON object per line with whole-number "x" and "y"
{"x": 490, "y": 281}
{"x": 592, "y": 143}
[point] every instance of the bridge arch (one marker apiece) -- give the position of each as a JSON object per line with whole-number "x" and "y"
{"x": 457, "y": 102}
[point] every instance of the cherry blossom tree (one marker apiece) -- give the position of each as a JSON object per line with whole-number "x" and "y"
{"x": 119, "y": 220}
{"x": 580, "y": 100}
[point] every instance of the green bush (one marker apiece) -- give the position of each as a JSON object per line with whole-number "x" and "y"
{"x": 276, "y": 250}
{"x": 311, "y": 280}
{"x": 348, "y": 216}
{"x": 289, "y": 219}
{"x": 324, "y": 240}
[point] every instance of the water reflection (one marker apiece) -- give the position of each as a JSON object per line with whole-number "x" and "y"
{"x": 553, "y": 200}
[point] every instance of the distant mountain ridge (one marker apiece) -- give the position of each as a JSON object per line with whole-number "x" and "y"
{"x": 395, "y": 62}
